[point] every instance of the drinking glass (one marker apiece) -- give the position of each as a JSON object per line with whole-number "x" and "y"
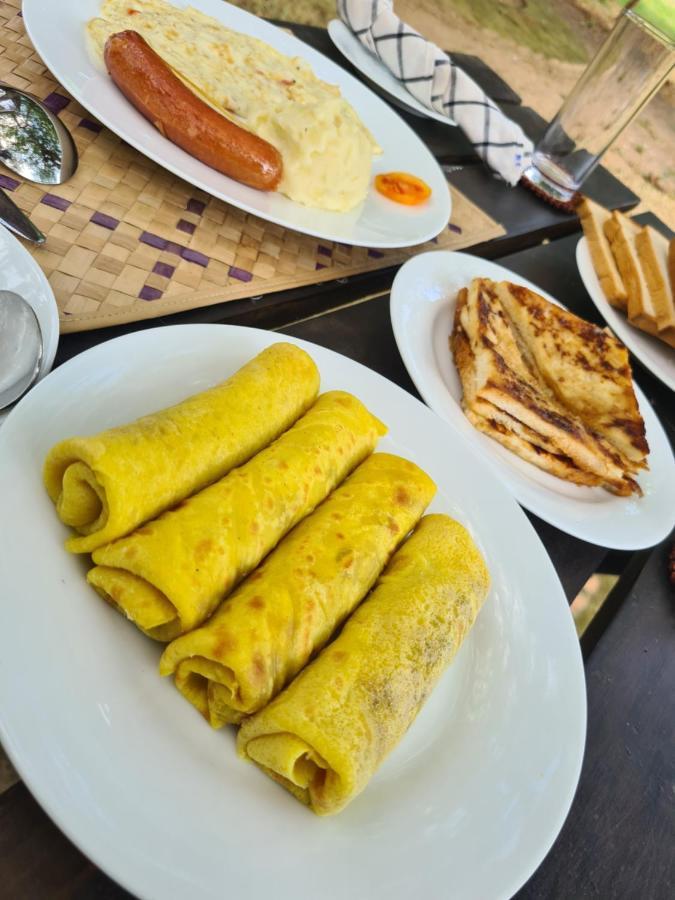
{"x": 629, "y": 68}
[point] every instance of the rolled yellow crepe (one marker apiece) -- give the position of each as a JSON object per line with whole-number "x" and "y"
{"x": 106, "y": 485}
{"x": 266, "y": 631}
{"x": 170, "y": 575}
{"x": 324, "y": 736}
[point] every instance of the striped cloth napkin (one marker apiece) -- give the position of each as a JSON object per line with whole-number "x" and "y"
{"x": 431, "y": 76}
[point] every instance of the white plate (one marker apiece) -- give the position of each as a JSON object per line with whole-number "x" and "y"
{"x": 654, "y": 354}
{"x": 376, "y": 71}
{"x": 474, "y": 795}
{"x": 422, "y": 309}
{"x": 20, "y": 273}
{"x": 57, "y": 32}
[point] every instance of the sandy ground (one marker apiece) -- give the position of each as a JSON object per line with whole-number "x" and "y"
{"x": 643, "y": 157}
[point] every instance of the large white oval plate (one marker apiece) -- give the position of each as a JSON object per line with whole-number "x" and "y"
{"x": 376, "y": 72}
{"x": 422, "y": 310}
{"x": 57, "y": 32}
{"x": 474, "y": 795}
{"x": 654, "y": 354}
{"x": 20, "y": 273}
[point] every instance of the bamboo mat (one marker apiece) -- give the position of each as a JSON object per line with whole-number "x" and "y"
{"x": 127, "y": 240}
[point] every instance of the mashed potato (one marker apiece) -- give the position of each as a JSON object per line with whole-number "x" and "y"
{"x": 326, "y": 149}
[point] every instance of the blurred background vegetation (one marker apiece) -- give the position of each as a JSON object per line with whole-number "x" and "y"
{"x": 567, "y": 31}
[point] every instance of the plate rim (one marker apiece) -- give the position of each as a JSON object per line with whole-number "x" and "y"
{"x": 32, "y": 7}
{"x": 419, "y": 110}
{"x": 114, "y": 867}
{"x": 50, "y": 340}
{"x": 601, "y": 303}
{"x": 583, "y": 528}
{"x": 51, "y": 307}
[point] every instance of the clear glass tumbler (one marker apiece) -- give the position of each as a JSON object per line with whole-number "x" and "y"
{"x": 629, "y": 68}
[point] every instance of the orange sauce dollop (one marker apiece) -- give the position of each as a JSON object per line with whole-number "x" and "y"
{"x": 401, "y": 187}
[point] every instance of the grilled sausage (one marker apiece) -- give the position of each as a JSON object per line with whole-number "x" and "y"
{"x": 148, "y": 82}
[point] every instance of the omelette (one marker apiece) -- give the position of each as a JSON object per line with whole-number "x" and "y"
{"x": 107, "y": 484}
{"x": 324, "y": 737}
{"x": 219, "y": 535}
{"x": 326, "y": 150}
{"x": 289, "y": 607}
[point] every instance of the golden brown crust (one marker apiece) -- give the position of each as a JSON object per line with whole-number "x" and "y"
{"x": 507, "y": 376}
{"x": 635, "y": 267}
{"x": 593, "y": 218}
{"x": 643, "y": 306}
{"x": 652, "y": 251}
{"x": 587, "y": 369}
{"x": 502, "y": 341}
{"x": 621, "y": 237}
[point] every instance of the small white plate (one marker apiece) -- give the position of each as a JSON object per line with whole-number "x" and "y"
{"x": 57, "y": 31}
{"x": 20, "y": 273}
{"x": 376, "y": 71}
{"x": 472, "y": 798}
{"x": 654, "y": 354}
{"x": 422, "y": 310}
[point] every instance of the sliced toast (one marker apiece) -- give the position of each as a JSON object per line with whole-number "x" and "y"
{"x": 621, "y": 234}
{"x": 652, "y": 250}
{"x": 593, "y": 218}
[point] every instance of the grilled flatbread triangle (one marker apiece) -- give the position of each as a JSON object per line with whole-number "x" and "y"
{"x": 586, "y": 368}
{"x": 503, "y": 373}
{"x": 509, "y": 432}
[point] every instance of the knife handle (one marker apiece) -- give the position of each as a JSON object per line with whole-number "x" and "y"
{"x": 17, "y": 221}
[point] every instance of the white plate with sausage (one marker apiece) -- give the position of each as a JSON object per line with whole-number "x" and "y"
{"x": 57, "y": 31}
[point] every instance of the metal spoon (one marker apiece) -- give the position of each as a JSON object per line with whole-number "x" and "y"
{"x": 20, "y": 347}
{"x": 35, "y": 144}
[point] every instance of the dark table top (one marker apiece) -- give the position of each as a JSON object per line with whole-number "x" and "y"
{"x": 618, "y": 839}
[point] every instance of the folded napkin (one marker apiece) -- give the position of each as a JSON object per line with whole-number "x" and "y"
{"x": 430, "y": 75}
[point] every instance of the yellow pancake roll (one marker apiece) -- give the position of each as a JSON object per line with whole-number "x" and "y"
{"x": 106, "y": 485}
{"x": 170, "y": 575}
{"x": 326, "y": 734}
{"x": 284, "y": 612}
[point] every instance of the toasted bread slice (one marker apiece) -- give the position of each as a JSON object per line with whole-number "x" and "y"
{"x": 652, "y": 251}
{"x": 511, "y": 433}
{"x": 555, "y": 464}
{"x": 475, "y": 406}
{"x": 667, "y": 335}
{"x": 586, "y": 368}
{"x": 508, "y": 431}
{"x": 621, "y": 233}
{"x": 505, "y": 379}
{"x": 593, "y": 218}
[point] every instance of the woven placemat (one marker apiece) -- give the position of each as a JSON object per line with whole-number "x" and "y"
{"x": 127, "y": 240}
